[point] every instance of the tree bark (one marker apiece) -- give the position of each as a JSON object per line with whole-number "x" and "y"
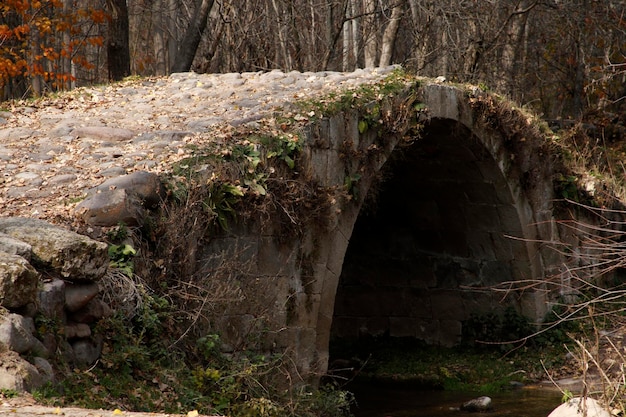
{"x": 389, "y": 36}
{"x": 370, "y": 47}
{"x": 118, "y": 50}
{"x": 193, "y": 35}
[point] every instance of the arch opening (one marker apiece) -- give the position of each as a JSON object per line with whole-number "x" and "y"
{"x": 425, "y": 251}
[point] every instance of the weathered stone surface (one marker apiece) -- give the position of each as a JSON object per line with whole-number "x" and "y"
{"x": 18, "y": 374}
{"x": 72, "y": 255}
{"x": 111, "y": 207}
{"x": 78, "y": 295}
{"x": 52, "y": 299}
{"x": 16, "y": 332}
{"x": 44, "y": 369}
{"x": 14, "y": 246}
{"x": 579, "y": 407}
{"x": 146, "y": 185}
{"x": 77, "y": 330}
{"x": 18, "y": 281}
{"x": 103, "y": 132}
{"x": 95, "y": 310}
{"x": 122, "y": 199}
{"x": 86, "y": 351}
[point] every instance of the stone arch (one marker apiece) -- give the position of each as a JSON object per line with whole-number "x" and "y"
{"x": 510, "y": 194}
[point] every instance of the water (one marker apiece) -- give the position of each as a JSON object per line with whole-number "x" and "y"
{"x": 403, "y": 401}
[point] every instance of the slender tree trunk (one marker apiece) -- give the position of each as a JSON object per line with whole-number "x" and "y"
{"x": 159, "y": 37}
{"x": 193, "y": 35}
{"x": 370, "y": 44}
{"x": 389, "y": 36}
{"x": 118, "y": 50}
{"x": 348, "y": 59}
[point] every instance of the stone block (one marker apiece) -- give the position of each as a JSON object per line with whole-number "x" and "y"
{"x": 449, "y": 305}
{"x": 510, "y": 220}
{"x": 77, "y": 331}
{"x": 482, "y": 217}
{"x": 480, "y": 245}
{"x": 93, "y": 311}
{"x": 403, "y": 326}
{"x": 52, "y": 299}
{"x": 18, "y": 281}
{"x": 86, "y": 351}
{"x": 17, "y": 374}
{"x": 17, "y": 332}
{"x": 450, "y": 332}
{"x": 77, "y": 296}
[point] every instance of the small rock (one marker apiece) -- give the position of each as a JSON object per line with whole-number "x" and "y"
{"x": 479, "y": 404}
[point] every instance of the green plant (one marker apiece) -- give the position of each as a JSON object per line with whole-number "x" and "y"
{"x": 121, "y": 257}
{"x": 350, "y": 183}
{"x": 118, "y": 233}
{"x": 220, "y": 202}
{"x": 8, "y": 393}
{"x": 567, "y": 186}
{"x": 285, "y": 147}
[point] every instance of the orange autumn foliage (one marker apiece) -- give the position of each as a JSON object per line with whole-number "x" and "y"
{"x": 39, "y": 39}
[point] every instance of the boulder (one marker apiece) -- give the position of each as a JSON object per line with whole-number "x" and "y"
{"x": 73, "y": 256}
{"x": 580, "y": 407}
{"x": 122, "y": 199}
{"x": 480, "y": 404}
{"x": 18, "y": 281}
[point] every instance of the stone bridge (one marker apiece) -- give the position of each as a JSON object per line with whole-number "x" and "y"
{"x": 438, "y": 193}
{"x": 451, "y": 194}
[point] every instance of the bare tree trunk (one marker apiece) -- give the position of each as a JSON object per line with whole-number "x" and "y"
{"x": 66, "y": 61}
{"x": 389, "y": 36}
{"x": 282, "y": 48}
{"x": 193, "y": 35}
{"x": 370, "y": 44}
{"x": 118, "y": 50}
{"x": 348, "y": 56}
{"x": 159, "y": 19}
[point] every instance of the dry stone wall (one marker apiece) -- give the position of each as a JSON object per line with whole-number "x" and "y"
{"x": 49, "y": 300}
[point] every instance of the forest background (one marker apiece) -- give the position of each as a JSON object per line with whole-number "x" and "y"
{"x": 562, "y": 58}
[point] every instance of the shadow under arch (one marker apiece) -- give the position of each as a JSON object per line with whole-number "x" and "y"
{"x": 427, "y": 247}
